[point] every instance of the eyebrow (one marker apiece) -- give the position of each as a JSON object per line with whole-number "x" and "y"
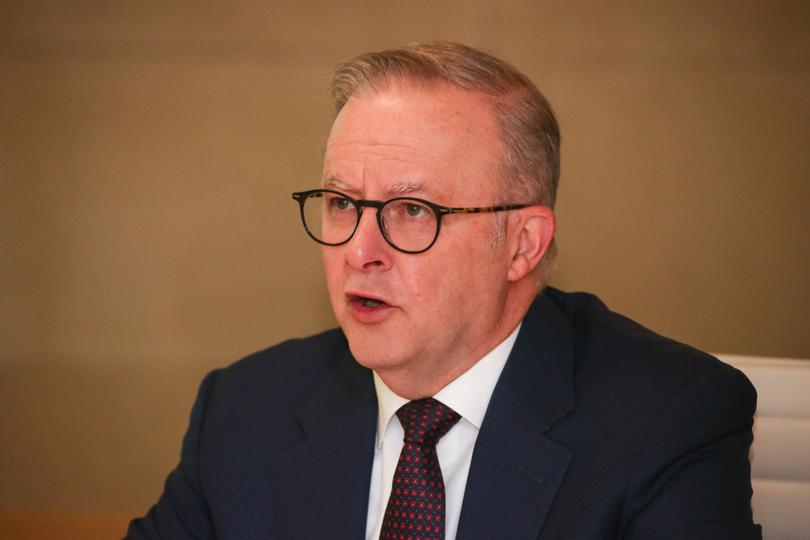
{"x": 334, "y": 183}
{"x": 400, "y": 188}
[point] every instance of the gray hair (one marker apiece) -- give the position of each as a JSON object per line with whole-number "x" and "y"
{"x": 529, "y": 130}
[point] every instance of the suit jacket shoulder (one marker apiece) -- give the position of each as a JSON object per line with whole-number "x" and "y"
{"x": 654, "y": 427}
{"x": 272, "y": 437}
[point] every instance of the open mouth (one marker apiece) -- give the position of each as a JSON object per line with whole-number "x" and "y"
{"x": 367, "y": 302}
{"x": 368, "y": 309}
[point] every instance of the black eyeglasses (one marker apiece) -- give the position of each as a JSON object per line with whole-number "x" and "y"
{"x": 408, "y": 224}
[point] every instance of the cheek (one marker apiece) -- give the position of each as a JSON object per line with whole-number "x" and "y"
{"x": 437, "y": 288}
{"x": 417, "y": 281}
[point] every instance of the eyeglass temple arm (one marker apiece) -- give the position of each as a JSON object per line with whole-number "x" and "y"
{"x": 483, "y": 209}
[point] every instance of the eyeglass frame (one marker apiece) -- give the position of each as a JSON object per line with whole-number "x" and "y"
{"x": 439, "y": 211}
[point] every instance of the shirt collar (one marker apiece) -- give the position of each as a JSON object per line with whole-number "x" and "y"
{"x": 468, "y": 394}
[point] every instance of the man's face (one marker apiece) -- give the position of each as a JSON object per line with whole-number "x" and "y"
{"x": 442, "y": 309}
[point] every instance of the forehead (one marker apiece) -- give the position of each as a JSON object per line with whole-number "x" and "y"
{"x": 431, "y": 140}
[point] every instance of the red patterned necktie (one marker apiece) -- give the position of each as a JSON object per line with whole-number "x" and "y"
{"x": 416, "y": 506}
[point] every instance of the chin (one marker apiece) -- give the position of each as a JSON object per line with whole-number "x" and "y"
{"x": 373, "y": 352}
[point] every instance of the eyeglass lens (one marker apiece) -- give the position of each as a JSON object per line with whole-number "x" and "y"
{"x": 408, "y": 224}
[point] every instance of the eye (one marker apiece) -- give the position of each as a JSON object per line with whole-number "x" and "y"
{"x": 341, "y": 203}
{"x": 415, "y": 210}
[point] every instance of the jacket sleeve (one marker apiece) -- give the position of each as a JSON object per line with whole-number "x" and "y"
{"x": 693, "y": 477}
{"x": 181, "y": 512}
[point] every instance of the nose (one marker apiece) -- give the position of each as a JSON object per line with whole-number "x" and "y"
{"x": 367, "y": 249}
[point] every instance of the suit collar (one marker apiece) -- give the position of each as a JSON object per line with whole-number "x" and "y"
{"x": 516, "y": 468}
{"x": 538, "y": 379}
{"x": 347, "y": 395}
{"x": 321, "y": 486}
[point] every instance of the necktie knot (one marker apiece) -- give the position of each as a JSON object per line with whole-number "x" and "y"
{"x": 426, "y": 420}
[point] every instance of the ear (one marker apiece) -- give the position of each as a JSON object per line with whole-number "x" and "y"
{"x": 534, "y": 230}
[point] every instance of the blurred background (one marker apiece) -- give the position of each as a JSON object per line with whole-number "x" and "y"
{"x": 147, "y": 234}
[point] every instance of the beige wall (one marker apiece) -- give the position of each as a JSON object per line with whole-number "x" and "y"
{"x": 147, "y": 154}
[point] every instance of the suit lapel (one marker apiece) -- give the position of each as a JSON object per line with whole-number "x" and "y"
{"x": 516, "y": 469}
{"x": 321, "y": 486}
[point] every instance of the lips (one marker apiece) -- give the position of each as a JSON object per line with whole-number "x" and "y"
{"x": 367, "y": 307}
{"x": 366, "y": 298}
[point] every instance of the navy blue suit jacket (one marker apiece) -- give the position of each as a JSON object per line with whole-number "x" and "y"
{"x": 597, "y": 429}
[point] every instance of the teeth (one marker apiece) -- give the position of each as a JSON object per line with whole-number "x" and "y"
{"x": 368, "y": 302}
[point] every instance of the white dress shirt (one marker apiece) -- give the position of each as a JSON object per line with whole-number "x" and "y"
{"x": 469, "y": 396}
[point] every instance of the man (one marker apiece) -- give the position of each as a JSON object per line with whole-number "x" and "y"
{"x": 459, "y": 398}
